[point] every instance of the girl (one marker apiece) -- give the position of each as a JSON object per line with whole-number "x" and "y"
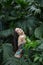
{"x": 21, "y": 42}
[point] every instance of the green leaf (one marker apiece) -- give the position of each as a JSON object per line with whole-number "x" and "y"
{"x": 36, "y": 58}
{"x": 23, "y": 3}
{"x": 40, "y": 46}
{"x": 40, "y": 2}
{"x": 6, "y": 33}
{"x": 39, "y": 32}
{"x": 34, "y": 44}
{"x": 37, "y": 11}
{"x": 7, "y": 51}
{"x": 34, "y": 10}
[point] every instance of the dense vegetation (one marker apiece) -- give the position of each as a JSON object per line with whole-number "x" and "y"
{"x": 28, "y": 15}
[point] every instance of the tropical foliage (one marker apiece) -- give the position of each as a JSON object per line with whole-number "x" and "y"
{"x": 28, "y": 15}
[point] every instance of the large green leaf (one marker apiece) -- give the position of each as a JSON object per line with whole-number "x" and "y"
{"x": 40, "y": 2}
{"x": 40, "y": 47}
{"x": 6, "y": 33}
{"x": 39, "y": 32}
{"x": 7, "y": 51}
{"x": 35, "y": 10}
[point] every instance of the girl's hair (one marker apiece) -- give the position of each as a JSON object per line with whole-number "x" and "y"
{"x": 15, "y": 43}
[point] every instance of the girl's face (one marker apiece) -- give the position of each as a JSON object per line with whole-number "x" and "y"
{"x": 19, "y": 31}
